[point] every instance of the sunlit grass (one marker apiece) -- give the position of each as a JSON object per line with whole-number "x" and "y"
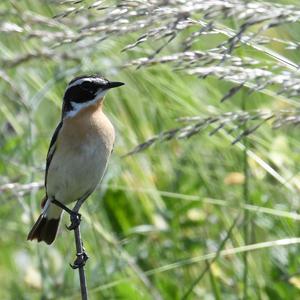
{"x": 161, "y": 215}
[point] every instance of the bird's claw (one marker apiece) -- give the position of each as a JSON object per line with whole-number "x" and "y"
{"x": 75, "y": 220}
{"x": 80, "y": 260}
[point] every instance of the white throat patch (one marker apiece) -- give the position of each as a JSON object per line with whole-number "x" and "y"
{"x": 77, "y": 107}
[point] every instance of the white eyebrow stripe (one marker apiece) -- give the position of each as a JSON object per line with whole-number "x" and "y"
{"x": 81, "y": 80}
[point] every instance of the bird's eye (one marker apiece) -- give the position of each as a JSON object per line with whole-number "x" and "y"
{"x": 88, "y": 86}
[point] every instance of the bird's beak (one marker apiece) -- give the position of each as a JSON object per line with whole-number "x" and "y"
{"x": 114, "y": 84}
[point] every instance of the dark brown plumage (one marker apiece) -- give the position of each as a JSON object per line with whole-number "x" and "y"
{"x": 44, "y": 230}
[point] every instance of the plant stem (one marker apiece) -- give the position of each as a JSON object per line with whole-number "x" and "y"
{"x": 247, "y": 226}
{"x": 82, "y": 257}
{"x": 208, "y": 265}
{"x": 80, "y": 251}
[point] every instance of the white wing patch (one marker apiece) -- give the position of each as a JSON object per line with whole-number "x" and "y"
{"x": 52, "y": 149}
{"x": 45, "y": 208}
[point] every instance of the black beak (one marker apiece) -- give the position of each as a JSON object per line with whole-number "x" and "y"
{"x": 114, "y": 84}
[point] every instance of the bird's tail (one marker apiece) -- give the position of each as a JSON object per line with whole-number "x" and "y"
{"x": 46, "y": 226}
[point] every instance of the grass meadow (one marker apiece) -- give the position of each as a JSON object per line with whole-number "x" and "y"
{"x": 201, "y": 197}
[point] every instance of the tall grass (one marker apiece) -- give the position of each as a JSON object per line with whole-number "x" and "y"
{"x": 201, "y": 197}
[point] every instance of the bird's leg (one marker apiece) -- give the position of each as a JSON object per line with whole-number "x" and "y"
{"x": 75, "y": 216}
{"x": 75, "y": 219}
{"x": 62, "y": 206}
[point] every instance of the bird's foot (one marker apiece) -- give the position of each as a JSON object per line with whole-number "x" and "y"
{"x": 80, "y": 260}
{"x": 75, "y": 219}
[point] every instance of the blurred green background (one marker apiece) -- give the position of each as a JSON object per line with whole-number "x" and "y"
{"x": 160, "y": 216}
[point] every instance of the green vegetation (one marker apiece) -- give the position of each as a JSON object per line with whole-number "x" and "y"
{"x": 192, "y": 217}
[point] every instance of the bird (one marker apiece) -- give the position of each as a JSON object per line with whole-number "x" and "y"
{"x": 78, "y": 154}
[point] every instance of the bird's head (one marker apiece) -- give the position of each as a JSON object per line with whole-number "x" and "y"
{"x": 84, "y": 91}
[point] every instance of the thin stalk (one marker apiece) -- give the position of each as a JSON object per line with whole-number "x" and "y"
{"x": 214, "y": 284}
{"x": 208, "y": 265}
{"x": 80, "y": 251}
{"x": 246, "y": 214}
{"x": 246, "y": 221}
{"x": 82, "y": 257}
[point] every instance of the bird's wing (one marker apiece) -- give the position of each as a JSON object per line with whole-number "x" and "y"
{"x": 52, "y": 149}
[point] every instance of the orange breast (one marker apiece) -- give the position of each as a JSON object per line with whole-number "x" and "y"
{"x": 86, "y": 126}
{"x": 82, "y": 152}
